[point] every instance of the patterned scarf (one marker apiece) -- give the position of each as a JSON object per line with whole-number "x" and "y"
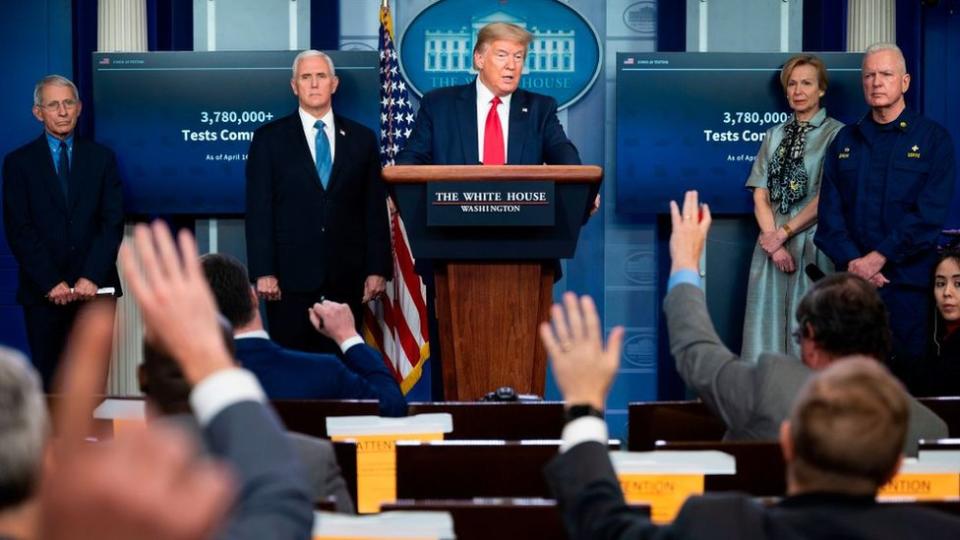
{"x": 787, "y": 178}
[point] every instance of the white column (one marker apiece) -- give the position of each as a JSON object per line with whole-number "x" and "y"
{"x": 869, "y": 22}
{"x": 122, "y": 27}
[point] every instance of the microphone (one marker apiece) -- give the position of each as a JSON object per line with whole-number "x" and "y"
{"x": 814, "y": 272}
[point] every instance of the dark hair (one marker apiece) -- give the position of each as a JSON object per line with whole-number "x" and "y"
{"x": 950, "y": 251}
{"x": 848, "y": 426}
{"x": 230, "y": 283}
{"x": 845, "y": 316}
{"x": 161, "y": 379}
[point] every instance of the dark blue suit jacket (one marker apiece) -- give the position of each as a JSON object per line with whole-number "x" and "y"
{"x": 916, "y": 197}
{"x": 289, "y": 374}
{"x": 445, "y": 132}
{"x": 309, "y": 237}
{"x": 58, "y": 239}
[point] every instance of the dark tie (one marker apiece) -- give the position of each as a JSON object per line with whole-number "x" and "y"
{"x": 63, "y": 167}
{"x": 323, "y": 154}
{"x": 493, "y": 136}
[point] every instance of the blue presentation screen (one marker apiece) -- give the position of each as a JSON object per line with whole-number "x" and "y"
{"x": 696, "y": 121}
{"x": 181, "y": 122}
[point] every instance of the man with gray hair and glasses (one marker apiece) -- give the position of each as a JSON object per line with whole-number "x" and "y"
{"x": 63, "y": 215}
{"x": 23, "y": 430}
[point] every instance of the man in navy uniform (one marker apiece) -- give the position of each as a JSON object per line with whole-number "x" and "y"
{"x": 887, "y": 184}
{"x": 63, "y": 214}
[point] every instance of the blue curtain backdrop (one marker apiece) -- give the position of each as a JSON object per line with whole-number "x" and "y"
{"x": 824, "y": 25}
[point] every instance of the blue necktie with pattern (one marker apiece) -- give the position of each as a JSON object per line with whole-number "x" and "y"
{"x": 324, "y": 163}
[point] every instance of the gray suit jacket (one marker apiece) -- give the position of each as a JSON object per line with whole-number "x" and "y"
{"x": 316, "y": 455}
{"x": 323, "y": 472}
{"x": 751, "y": 399}
{"x": 273, "y": 500}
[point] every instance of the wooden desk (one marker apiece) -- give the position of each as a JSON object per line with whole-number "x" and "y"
{"x": 761, "y": 470}
{"x": 309, "y": 416}
{"x": 671, "y": 421}
{"x": 947, "y": 408}
{"x": 468, "y": 469}
{"x": 346, "y": 453}
{"x": 499, "y": 420}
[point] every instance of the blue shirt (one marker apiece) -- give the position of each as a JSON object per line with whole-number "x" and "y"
{"x": 887, "y": 188}
{"x": 55, "y": 150}
{"x": 684, "y": 275}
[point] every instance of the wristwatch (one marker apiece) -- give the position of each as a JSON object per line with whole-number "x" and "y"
{"x": 576, "y": 411}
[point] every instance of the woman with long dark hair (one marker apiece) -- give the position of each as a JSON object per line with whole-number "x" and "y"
{"x": 943, "y": 366}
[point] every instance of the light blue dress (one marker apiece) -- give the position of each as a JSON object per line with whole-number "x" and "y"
{"x": 772, "y": 295}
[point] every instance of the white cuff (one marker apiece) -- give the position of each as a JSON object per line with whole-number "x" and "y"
{"x": 350, "y": 342}
{"x": 221, "y": 390}
{"x": 583, "y": 429}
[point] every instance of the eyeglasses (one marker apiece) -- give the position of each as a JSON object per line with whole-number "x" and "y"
{"x": 54, "y": 106}
{"x": 799, "y": 335}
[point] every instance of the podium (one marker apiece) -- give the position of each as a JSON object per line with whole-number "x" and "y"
{"x": 494, "y": 234}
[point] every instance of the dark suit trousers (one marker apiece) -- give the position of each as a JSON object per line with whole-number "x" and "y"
{"x": 909, "y": 309}
{"x": 289, "y": 323}
{"x": 48, "y": 326}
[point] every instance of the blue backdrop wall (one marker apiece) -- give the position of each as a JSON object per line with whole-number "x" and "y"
{"x": 35, "y": 39}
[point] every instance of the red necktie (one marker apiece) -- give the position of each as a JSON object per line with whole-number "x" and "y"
{"x": 493, "y": 136}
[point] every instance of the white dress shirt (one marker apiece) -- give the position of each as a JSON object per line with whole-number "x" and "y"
{"x": 222, "y": 389}
{"x": 310, "y": 132}
{"x": 484, "y": 96}
{"x": 583, "y": 429}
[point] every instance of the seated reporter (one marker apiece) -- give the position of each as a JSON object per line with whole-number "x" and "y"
{"x": 150, "y": 485}
{"x": 289, "y": 374}
{"x": 842, "y": 315}
{"x": 168, "y": 395}
{"x": 842, "y": 441}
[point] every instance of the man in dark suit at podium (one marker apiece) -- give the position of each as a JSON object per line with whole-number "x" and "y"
{"x": 316, "y": 223}
{"x": 63, "y": 214}
{"x": 490, "y": 120}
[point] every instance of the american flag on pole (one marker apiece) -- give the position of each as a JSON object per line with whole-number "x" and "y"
{"x": 397, "y": 325}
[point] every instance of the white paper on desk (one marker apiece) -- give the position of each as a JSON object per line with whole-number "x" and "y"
{"x": 378, "y": 425}
{"x": 673, "y": 462}
{"x": 121, "y": 409}
{"x": 386, "y": 525}
{"x": 107, "y": 291}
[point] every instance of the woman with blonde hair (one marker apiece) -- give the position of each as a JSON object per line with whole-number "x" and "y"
{"x": 785, "y": 181}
